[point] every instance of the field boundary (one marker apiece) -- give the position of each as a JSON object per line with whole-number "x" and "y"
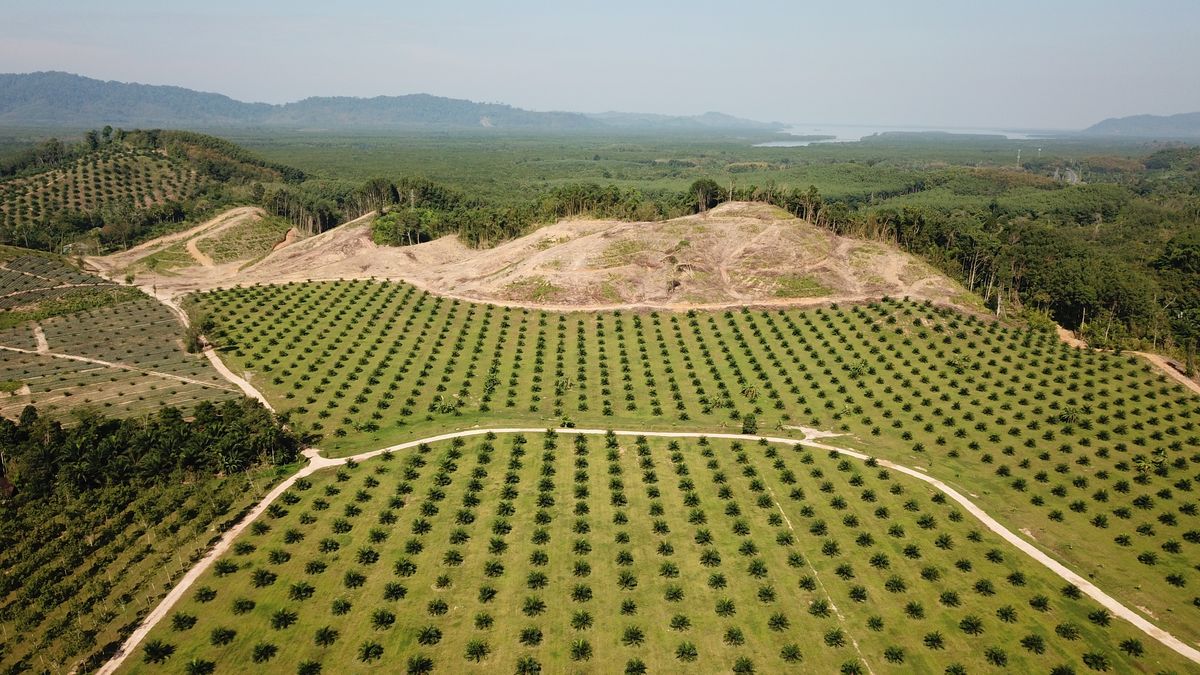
{"x": 318, "y": 462}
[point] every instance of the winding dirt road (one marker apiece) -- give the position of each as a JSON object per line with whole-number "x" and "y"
{"x": 111, "y": 265}
{"x": 317, "y": 462}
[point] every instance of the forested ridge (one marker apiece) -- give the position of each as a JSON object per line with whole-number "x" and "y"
{"x": 60, "y": 99}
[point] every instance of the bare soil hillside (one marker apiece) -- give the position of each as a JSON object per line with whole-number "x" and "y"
{"x": 736, "y": 254}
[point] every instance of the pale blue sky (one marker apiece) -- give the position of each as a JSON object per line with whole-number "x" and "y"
{"x": 1019, "y": 63}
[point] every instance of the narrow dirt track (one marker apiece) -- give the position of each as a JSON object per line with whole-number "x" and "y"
{"x": 111, "y": 264}
{"x": 316, "y": 463}
{"x": 241, "y": 383}
{"x": 197, "y": 255}
{"x": 39, "y": 336}
{"x": 1170, "y": 370}
{"x": 112, "y": 364}
{"x": 1156, "y": 360}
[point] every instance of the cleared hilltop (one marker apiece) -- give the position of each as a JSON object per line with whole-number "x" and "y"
{"x": 738, "y": 253}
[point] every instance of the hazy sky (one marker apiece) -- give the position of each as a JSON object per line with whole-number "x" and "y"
{"x": 1017, "y": 63}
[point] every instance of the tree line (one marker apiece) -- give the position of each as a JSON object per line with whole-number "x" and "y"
{"x": 41, "y": 459}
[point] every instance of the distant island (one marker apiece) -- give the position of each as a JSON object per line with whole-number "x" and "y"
{"x": 1181, "y": 126}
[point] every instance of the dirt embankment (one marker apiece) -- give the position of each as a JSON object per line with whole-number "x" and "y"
{"x": 117, "y": 262}
{"x": 735, "y": 255}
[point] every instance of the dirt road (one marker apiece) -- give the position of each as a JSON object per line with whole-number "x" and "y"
{"x": 316, "y": 463}
{"x": 1165, "y": 366}
{"x": 111, "y": 264}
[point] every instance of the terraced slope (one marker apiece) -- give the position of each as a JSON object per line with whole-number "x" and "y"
{"x": 70, "y": 339}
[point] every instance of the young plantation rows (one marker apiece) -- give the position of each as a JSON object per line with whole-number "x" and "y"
{"x": 561, "y": 553}
{"x": 140, "y": 336}
{"x": 27, "y": 279}
{"x": 140, "y": 178}
{"x": 76, "y": 582}
{"x": 1096, "y": 457}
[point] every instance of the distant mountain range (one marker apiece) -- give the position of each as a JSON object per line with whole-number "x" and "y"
{"x": 1184, "y": 125}
{"x": 59, "y": 99}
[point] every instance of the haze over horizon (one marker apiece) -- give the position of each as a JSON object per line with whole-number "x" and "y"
{"x": 1063, "y": 65}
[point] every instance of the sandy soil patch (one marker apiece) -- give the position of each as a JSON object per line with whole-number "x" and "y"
{"x": 734, "y": 255}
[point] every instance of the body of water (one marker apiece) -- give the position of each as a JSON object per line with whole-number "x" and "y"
{"x": 849, "y": 133}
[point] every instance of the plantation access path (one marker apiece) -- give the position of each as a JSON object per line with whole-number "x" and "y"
{"x": 211, "y": 354}
{"x": 1156, "y": 360}
{"x": 1170, "y": 370}
{"x": 812, "y": 438}
{"x": 110, "y": 364}
{"x": 111, "y": 264}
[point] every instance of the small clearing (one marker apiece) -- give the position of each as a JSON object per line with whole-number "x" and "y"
{"x": 117, "y": 262}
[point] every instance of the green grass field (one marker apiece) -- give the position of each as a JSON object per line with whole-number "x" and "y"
{"x": 707, "y": 555}
{"x": 1093, "y": 456}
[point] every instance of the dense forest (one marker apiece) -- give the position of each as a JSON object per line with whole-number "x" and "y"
{"x": 41, "y": 459}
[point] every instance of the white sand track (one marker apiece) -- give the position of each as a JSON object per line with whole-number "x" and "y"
{"x": 317, "y": 462}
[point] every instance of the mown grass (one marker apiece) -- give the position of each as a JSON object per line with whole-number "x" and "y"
{"x": 1094, "y": 455}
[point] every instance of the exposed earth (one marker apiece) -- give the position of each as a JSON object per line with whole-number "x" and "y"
{"x": 736, "y": 254}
